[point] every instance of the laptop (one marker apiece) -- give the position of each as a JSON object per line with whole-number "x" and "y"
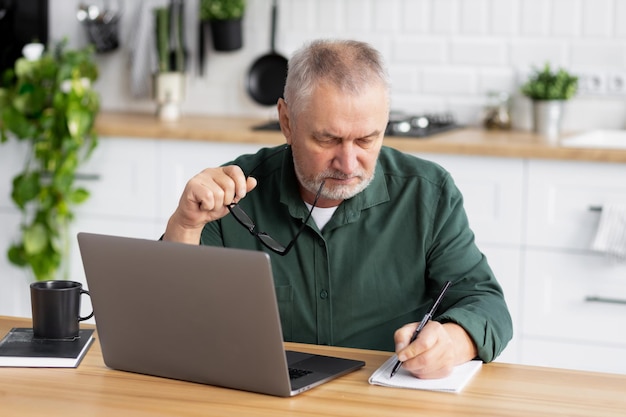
{"x": 195, "y": 313}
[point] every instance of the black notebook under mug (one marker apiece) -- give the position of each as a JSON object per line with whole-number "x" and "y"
{"x": 19, "y": 348}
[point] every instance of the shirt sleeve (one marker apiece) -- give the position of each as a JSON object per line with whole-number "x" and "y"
{"x": 212, "y": 234}
{"x": 475, "y": 301}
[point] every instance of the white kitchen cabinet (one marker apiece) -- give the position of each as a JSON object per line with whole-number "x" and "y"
{"x": 561, "y": 198}
{"x": 569, "y": 298}
{"x": 574, "y": 310}
{"x": 121, "y": 176}
{"x": 561, "y": 273}
{"x": 583, "y": 356}
{"x": 179, "y": 160}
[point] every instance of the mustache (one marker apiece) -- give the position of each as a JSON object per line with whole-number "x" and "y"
{"x": 338, "y": 175}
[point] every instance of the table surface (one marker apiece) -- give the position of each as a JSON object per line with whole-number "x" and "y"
{"x": 497, "y": 390}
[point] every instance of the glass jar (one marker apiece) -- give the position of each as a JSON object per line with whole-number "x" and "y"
{"x": 497, "y": 112}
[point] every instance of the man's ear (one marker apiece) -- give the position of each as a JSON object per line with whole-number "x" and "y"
{"x": 284, "y": 119}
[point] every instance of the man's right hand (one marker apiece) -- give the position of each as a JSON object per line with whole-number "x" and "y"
{"x": 205, "y": 199}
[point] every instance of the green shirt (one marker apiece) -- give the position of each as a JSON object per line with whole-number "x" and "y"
{"x": 378, "y": 263}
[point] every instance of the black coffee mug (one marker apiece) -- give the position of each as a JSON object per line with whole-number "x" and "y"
{"x": 56, "y": 309}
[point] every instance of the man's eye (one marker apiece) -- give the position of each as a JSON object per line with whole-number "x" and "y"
{"x": 365, "y": 142}
{"x": 328, "y": 140}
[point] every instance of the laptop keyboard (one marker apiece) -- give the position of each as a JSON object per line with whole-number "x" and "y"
{"x": 298, "y": 373}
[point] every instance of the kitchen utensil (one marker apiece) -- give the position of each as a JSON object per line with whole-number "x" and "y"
{"x": 101, "y": 24}
{"x": 201, "y": 43}
{"x": 266, "y": 77}
{"x": 178, "y": 52}
{"x": 142, "y": 51}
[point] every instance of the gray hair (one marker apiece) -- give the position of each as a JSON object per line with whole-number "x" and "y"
{"x": 349, "y": 65}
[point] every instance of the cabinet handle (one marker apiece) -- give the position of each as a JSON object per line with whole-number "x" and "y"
{"x": 87, "y": 177}
{"x": 595, "y": 208}
{"x": 596, "y": 299}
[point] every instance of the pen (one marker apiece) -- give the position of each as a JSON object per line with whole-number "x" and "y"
{"x": 425, "y": 320}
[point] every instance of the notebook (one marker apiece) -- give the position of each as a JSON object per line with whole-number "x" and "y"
{"x": 455, "y": 382}
{"x": 195, "y": 313}
{"x": 19, "y": 348}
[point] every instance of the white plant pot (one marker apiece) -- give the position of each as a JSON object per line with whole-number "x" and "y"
{"x": 169, "y": 91}
{"x": 547, "y": 117}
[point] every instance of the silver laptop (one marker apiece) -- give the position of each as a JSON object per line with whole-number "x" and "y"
{"x": 195, "y": 313}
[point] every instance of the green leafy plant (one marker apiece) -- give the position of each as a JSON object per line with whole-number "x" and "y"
{"x": 545, "y": 84}
{"x": 221, "y": 9}
{"x": 50, "y": 104}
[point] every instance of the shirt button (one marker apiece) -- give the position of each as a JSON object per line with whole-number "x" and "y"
{"x": 323, "y": 294}
{"x": 320, "y": 242}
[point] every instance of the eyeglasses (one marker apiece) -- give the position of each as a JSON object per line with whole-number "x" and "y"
{"x": 268, "y": 241}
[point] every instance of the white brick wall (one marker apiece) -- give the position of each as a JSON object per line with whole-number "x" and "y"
{"x": 505, "y": 17}
{"x": 442, "y": 54}
{"x": 598, "y": 18}
{"x": 534, "y": 17}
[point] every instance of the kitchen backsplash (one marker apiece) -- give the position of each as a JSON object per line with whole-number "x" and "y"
{"x": 443, "y": 55}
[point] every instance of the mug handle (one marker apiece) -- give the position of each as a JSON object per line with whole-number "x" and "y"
{"x": 90, "y": 314}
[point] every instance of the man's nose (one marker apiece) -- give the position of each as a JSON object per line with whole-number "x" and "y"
{"x": 346, "y": 158}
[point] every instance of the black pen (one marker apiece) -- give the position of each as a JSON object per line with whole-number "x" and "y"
{"x": 425, "y": 320}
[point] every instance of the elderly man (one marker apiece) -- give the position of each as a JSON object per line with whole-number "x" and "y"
{"x": 373, "y": 233}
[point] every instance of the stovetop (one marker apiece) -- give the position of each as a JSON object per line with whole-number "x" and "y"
{"x": 418, "y": 126}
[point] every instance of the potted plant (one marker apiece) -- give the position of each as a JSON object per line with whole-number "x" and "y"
{"x": 224, "y": 18}
{"x": 548, "y": 90}
{"x": 49, "y": 103}
{"x": 172, "y": 56}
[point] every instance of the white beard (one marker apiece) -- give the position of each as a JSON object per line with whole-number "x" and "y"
{"x": 337, "y": 192}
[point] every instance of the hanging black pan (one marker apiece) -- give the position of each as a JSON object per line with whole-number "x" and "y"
{"x": 266, "y": 76}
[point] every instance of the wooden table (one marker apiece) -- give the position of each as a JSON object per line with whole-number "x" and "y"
{"x": 498, "y": 390}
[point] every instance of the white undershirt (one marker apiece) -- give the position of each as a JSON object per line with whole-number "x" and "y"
{"x": 321, "y": 215}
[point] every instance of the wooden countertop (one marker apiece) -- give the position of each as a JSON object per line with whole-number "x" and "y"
{"x": 465, "y": 141}
{"x": 498, "y": 389}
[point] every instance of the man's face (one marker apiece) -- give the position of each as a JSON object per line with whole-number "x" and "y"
{"x": 336, "y": 138}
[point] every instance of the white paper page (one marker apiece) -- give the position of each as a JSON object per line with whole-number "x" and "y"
{"x": 454, "y": 382}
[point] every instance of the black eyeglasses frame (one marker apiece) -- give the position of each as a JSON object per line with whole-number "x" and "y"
{"x": 269, "y": 242}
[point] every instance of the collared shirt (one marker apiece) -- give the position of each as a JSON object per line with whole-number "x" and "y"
{"x": 380, "y": 260}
